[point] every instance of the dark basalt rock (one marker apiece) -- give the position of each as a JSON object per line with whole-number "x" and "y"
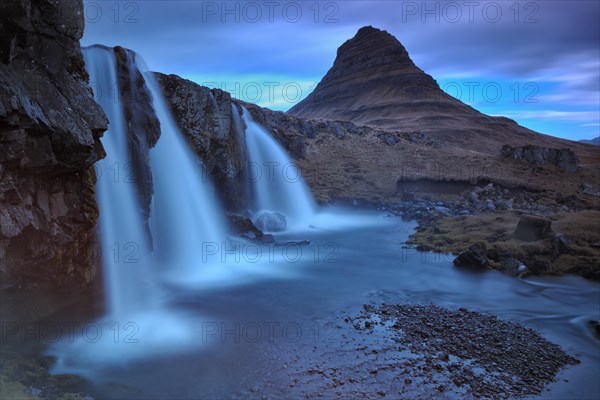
{"x": 206, "y": 118}
{"x": 530, "y": 228}
{"x": 270, "y": 221}
{"x": 50, "y": 128}
{"x": 245, "y": 228}
{"x": 564, "y": 159}
{"x": 143, "y": 127}
{"x": 475, "y": 256}
{"x": 595, "y": 326}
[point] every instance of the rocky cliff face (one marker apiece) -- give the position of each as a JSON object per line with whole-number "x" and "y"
{"x": 49, "y": 139}
{"x": 564, "y": 159}
{"x": 343, "y": 160}
{"x": 349, "y": 160}
{"x": 373, "y": 81}
{"x": 205, "y": 116}
{"x": 141, "y": 123}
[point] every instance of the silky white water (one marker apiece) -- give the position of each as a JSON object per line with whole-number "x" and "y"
{"x": 126, "y": 265}
{"x": 278, "y": 185}
{"x": 139, "y": 323}
{"x": 189, "y": 243}
{"x": 185, "y": 216}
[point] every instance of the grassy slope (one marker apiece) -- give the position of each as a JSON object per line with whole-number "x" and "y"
{"x": 362, "y": 166}
{"x": 453, "y": 235}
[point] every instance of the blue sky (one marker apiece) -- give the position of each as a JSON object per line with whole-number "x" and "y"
{"x": 537, "y": 62}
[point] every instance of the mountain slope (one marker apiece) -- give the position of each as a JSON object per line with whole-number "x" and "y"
{"x": 373, "y": 81}
{"x": 595, "y": 141}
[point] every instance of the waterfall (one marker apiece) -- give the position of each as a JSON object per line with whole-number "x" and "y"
{"x": 185, "y": 214}
{"x": 125, "y": 256}
{"x": 139, "y": 323}
{"x": 278, "y": 185}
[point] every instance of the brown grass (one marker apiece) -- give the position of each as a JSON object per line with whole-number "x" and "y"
{"x": 362, "y": 166}
{"x": 582, "y": 229}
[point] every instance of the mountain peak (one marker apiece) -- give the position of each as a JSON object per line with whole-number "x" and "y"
{"x": 373, "y": 81}
{"x": 369, "y": 30}
{"x": 371, "y": 70}
{"x": 375, "y": 46}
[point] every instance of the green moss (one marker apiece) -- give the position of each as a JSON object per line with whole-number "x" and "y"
{"x": 13, "y": 390}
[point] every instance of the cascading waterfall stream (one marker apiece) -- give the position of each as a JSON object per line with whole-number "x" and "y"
{"x": 184, "y": 218}
{"x": 185, "y": 214}
{"x": 279, "y": 187}
{"x": 277, "y": 182}
{"x": 124, "y": 243}
{"x": 139, "y": 323}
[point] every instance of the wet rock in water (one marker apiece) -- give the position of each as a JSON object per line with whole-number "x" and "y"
{"x": 292, "y": 243}
{"x": 532, "y": 228}
{"x": 512, "y": 266}
{"x": 595, "y": 325}
{"x": 267, "y": 238}
{"x": 475, "y": 256}
{"x": 270, "y": 221}
{"x": 539, "y": 267}
{"x": 243, "y": 227}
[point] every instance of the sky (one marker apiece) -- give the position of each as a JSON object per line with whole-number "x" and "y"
{"x": 537, "y": 62}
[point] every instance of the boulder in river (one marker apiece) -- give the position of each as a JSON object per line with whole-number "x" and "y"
{"x": 270, "y": 221}
{"x": 475, "y": 256}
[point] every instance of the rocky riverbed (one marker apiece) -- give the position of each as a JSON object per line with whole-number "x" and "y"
{"x": 406, "y": 351}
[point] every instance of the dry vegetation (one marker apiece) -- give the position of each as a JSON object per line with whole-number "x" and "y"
{"x": 365, "y": 167}
{"x": 581, "y": 229}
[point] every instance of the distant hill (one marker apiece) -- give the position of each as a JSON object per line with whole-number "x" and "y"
{"x": 595, "y": 141}
{"x": 373, "y": 81}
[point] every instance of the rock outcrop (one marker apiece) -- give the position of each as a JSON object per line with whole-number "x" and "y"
{"x": 292, "y": 132}
{"x": 208, "y": 121}
{"x": 474, "y": 256}
{"x": 532, "y": 228}
{"x": 564, "y": 159}
{"x": 373, "y": 81}
{"x": 205, "y": 116}
{"x": 50, "y": 127}
{"x": 141, "y": 122}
